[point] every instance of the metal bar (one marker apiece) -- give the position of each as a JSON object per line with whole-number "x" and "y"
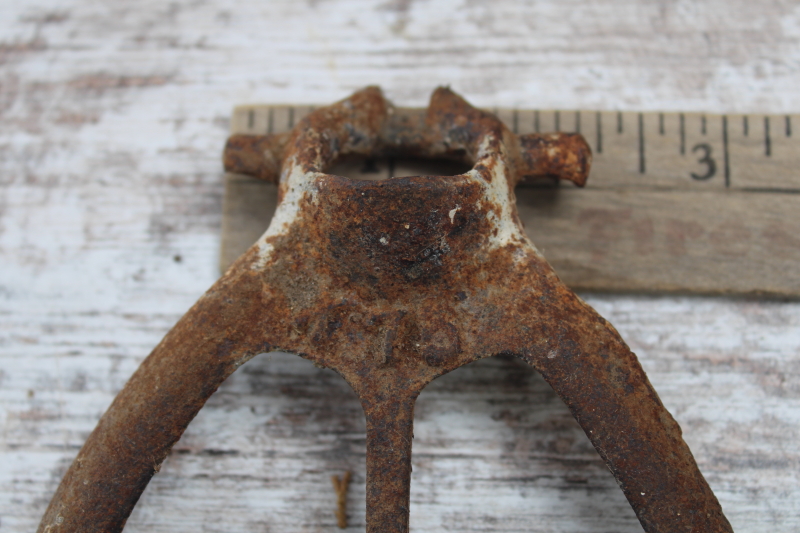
{"x": 390, "y": 429}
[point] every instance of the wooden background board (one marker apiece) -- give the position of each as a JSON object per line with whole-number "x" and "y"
{"x": 675, "y": 202}
{"x": 112, "y": 120}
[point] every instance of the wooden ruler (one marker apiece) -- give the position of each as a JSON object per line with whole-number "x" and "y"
{"x": 676, "y": 202}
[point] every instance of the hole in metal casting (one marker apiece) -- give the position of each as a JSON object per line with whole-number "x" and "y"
{"x": 382, "y": 168}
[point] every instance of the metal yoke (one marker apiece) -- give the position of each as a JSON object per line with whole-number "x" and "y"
{"x": 392, "y": 284}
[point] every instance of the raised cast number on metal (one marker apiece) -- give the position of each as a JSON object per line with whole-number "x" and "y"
{"x": 392, "y": 284}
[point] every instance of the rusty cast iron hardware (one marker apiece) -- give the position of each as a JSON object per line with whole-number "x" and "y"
{"x": 392, "y": 284}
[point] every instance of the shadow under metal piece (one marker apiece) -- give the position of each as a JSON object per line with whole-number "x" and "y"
{"x": 392, "y": 284}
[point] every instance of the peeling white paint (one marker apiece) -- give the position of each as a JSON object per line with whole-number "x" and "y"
{"x": 453, "y": 213}
{"x": 497, "y": 193}
{"x": 296, "y": 184}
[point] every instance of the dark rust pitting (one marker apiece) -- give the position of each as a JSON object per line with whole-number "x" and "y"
{"x": 392, "y": 284}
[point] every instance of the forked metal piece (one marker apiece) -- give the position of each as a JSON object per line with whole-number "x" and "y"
{"x": 392, "y": 284}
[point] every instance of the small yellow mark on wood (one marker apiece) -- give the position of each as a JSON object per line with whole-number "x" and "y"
{"x": 341, "y": 486}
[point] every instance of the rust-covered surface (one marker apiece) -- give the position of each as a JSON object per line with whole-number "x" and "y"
{"x": 392, "y": 284}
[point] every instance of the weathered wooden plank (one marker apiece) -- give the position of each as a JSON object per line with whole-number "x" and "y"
{"x": 494, "y": 446}
{"x": 113, "y": 118}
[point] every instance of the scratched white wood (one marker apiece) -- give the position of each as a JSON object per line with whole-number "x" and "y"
{"x": 113, "y": 116}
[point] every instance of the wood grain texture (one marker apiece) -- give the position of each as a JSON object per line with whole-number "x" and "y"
{"x": 113, "y": 118}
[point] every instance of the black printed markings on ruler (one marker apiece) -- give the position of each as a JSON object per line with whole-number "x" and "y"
{"x": 662, "y": 150}
{"x": 685, "y": 150}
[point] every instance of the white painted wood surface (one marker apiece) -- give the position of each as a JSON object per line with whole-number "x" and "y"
{"x": 112, "y": 119}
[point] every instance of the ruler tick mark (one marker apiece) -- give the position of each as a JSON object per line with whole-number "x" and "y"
{"x": 683, "y": 133}
{"x": 767, "y": 140}
{"x": 661, "y": 123}
{"x": 578, "y": 121}
{"x": 558, "y": 121}
{"x": 516, "y": 121}
{"x": 745, "y": 126}
{"x": 788, "y": 126}
{"x": 536, "y": 121}
{"x": 619, "y": 122}
{"x": 703, "y": 124}
{"x": 725, "y": 150}
{"x": 291, "y": 117}
{"x": 599, "y": 121}
{"x": 271, "y": 120}
{"x": 641, "y": 144}
{"x": 251, "y": 118}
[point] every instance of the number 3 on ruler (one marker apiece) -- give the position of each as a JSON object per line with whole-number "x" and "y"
{"x": 711, "y": 165}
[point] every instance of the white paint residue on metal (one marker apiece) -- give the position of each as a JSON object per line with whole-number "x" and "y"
{"x": 497, "y": 194}
{"x": 453, "y": 212}
{"x": 297, "y": 184}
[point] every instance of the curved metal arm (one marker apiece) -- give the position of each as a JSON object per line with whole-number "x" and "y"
{"x": 218, "y": 334}
{"x": 592, "y": 369}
